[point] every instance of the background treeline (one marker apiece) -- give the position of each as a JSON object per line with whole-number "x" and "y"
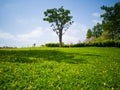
{"x": 107, "y": 43}
{"x": 7, "y": 47}
{"x": 109, "y": 29}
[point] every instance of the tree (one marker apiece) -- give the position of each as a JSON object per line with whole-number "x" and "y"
{"x": 105, "y": 35}
{"x": 111, "y": 20}
{"x": 34, "y": 45}
{"x": 97, "y": 30}
{"x": 89, "y": 33}
{"x": 60, "y": 21}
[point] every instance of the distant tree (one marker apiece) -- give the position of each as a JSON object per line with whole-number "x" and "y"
{"x": 34, "y": 45}
{"x": 59, "y": 19}
{"x": 97, "y": 30}
{"x": 89, "y": 33}
{"x": 111, "y": 20}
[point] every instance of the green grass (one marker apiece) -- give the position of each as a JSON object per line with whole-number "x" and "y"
{"x": 89, "y": 68}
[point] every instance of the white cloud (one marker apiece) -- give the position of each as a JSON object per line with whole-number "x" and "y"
{"x": 38, "y": 35}
{"x": 70, "y": 39}
{"x": 4, "y": 35}
{"x": 96, "y": 14}
{"x": 31, "y": 35}
{"x": 77, "y": 32}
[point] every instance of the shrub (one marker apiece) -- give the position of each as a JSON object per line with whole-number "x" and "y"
{"x": 52, "y": 45}
{"x": 79, "y": 45}
{"x": 107, "y": 43}
{"x": 117, "y": 43}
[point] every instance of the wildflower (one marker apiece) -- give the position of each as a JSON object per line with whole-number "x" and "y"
{"x": 0, "y": 71}
{"x": 104, "y": 84}
{"x": 112, "y": 88}
{"x": 104, "y": 71}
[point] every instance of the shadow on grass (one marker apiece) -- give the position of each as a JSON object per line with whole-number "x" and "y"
{"x": 35, "y": 56}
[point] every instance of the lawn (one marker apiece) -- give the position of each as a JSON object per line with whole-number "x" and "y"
{"x": 88, "y": 68}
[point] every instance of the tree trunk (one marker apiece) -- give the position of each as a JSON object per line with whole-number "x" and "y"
{"x": 60, "y": 38}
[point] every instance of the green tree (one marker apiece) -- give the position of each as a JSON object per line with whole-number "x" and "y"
{"x": 89, "y": 33}
{"x": 111, "y": 20}
{"x": 105, "y": 35}
{"x": 97, "y": 30}
{"x": 59, "y": 19}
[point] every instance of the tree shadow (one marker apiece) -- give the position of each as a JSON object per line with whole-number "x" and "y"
{"x": 35, "y": 56}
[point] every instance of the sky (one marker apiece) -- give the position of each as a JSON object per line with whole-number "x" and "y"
{"x": 22, "y": 25}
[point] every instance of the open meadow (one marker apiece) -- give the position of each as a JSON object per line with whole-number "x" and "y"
{"x": 88, "y": 68}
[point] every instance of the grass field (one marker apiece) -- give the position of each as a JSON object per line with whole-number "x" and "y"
{"x": 89, "y": 68}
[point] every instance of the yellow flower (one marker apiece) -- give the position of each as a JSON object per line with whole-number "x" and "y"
{"x": 104, "y": 84}
{"x": 112, "y": 88}
{"x": 0, "y": 71}
{"x": 104, "y": 71}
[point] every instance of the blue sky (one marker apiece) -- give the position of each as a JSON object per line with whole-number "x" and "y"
{"x": 21, "y": 21}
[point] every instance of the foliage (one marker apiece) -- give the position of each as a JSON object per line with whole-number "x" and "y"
{"x": 105, "y": 43}
{"x": 57, "y": 45}
{"x": 52, "y": 44}
{"x": 97, "y": 30}
{"x": 96, "y": 43}
{"x": 105, "y": 36}
{"x": 60, "y": 69}
{"x": 79, "y": 45}
{"x": 60, "y": 20}
{"x": 111, "y": 20}
{"x": 89, "y": 33}
{"x": 110, "y": 27}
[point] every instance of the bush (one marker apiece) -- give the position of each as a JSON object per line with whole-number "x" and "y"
{"x": 56, "y": 45}
{"x": 117, "y": 43}
{"x": 52, "y": 45}
{"x": 79, "y": 45}
{"x": 107, "y": 43}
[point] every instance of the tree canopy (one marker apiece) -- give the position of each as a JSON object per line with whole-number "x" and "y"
{"x": 111, "y": 20}
{"x": 97, "y": 30}
{"x": 89, "y": 33}
{"x": 60, "y": 20}
{"x": 110, "y": 26}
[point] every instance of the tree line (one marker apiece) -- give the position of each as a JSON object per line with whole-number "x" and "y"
{"x": 109, "y": 29}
